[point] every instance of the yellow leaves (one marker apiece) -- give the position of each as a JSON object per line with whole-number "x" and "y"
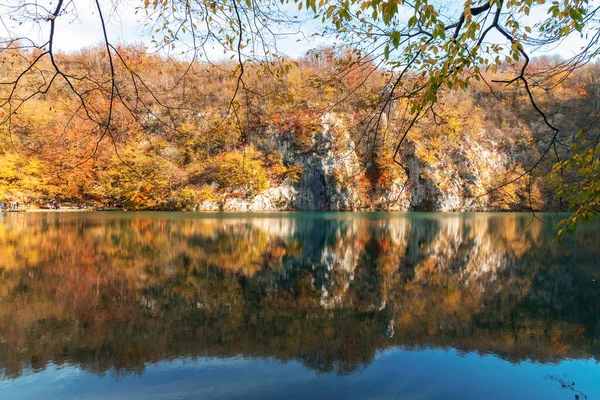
{"x": 241, "y": 170}
{"x": 21, "y": 176}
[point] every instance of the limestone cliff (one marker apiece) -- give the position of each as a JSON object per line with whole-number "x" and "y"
{"x": 333, "y": 177}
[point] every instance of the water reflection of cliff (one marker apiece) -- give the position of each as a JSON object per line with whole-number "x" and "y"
{"x": 118, "y": 291}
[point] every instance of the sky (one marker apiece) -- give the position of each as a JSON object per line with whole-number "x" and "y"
{"x": 126, "y": 27}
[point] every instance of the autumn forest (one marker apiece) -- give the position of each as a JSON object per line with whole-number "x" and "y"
{"x": 256, "y": 199}
{"x": 298, "y": 134}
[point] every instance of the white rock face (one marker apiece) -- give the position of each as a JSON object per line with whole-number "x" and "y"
{"x": 331, "y": 172}
{"x": 327, "y": 180}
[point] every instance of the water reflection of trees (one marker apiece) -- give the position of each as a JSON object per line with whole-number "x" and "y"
{"x": 118, "y": 291}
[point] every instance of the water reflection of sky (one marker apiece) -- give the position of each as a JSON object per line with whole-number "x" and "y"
{"x": 430, "y": 374}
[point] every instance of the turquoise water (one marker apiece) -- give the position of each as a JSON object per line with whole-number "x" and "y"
{"x": 297, "y": 305}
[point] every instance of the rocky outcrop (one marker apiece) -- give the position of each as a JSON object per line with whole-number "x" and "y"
{"x": 332, "y": 170}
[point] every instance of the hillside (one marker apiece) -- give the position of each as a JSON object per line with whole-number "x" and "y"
{"x": 305, "y": 134}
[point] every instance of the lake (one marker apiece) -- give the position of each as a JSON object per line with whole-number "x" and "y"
{"x": 297, "y": 305}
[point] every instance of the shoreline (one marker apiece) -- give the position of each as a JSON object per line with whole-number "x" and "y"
{"x": 87, "y": 210}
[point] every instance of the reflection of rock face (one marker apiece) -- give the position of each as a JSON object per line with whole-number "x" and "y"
{"x": 103, "y": 290}
{"x": 340, "y": 263}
